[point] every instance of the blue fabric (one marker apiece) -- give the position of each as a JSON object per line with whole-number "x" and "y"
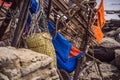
{"x": 68, "y": 66}
{"x": 63, "y": 47}
{"x": 34, "y": 7}
{"x": 29, "y": 20}
{"x": 75, "y": 57}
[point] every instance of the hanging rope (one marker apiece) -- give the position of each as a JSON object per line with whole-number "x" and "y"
{"x": 49, "y": 8}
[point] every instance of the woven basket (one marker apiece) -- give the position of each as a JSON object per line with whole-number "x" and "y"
{"x": 41, "y": 42}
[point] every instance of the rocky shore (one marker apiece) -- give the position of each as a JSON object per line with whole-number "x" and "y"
{"x": 24, "y": 64}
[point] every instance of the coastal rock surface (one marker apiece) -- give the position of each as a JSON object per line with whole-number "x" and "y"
{"x": 25, "y": 64}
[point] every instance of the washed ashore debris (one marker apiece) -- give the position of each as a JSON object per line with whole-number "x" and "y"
{"x": 72, "y": 21}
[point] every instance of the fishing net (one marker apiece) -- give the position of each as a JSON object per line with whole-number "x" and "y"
{"x": 42, "y": 43}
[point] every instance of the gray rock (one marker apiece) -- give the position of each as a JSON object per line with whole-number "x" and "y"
{"x": 42, "y": 74}
{"x": 117, "y": 31}
{"x": 13, "y": 74}
{"x": 9, "y": 63}
{"x": 117, "y": 58}
{"x": 110, "y": 33}
{"x": 109, "y": 43}
{"x": 104, "y": 54}
{"x": 2, "y": 44}
{"x": 7, "y": 56}
{"x": 31, "y": 61}
{"x": 3, "y": 77}
{"x": 117, "y": 38}
{"x": 108, "y": 71}
{"x": 25, "y": 64}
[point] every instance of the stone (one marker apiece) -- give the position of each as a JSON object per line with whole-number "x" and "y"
{"x": 2, "y": 44}
{"x": 117, "y": 58}
{"x": 3, "y": 77}
{"x": 108, "y": 71}
{"x": 117, "y": 38}
{"x": 9, "y": 63}
{"x": 117, "y": 31}
{"x": 41, "y": 74}
{"x": 31, "y": 61}
{"x": 109, "y": 43}
{"x": 110, "y": 33}
{"x": 25, "y": 64}
{"x": 13, "y": 74}
{"x": 104, "y": 54}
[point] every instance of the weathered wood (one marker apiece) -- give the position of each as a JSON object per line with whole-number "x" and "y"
{"x": 6, "y": 21}
{"x": 21, "y": 23}
{"x": 75, "y": 21}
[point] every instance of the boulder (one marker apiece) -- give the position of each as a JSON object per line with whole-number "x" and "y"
{"x": 106, "y": 51}
{"x": 109, "y": 43}
{"x": 2, "y": 43}
{"x": 9, "y": 63}
{"x": 117, "y": 58}
{"x": 108, "y": 71}
{"x": 3, "y": 77}
{"x": 25, "y": 64}
{"x": 104, "y": 54}
{"x": 117, "y": 31}
{"x": 113, "y": 33}
{"x": 117, "y": 37}
{"x": 110, "y": 33}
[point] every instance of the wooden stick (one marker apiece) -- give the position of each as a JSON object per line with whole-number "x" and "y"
{"x": 21, "y": 23}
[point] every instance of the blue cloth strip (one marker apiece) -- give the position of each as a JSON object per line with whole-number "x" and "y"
{"x": 63, "y": 47}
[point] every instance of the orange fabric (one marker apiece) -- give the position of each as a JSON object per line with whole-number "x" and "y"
{"x": 6, "y": 4}
{"x": 100, "y": 14}
{"x": 74, "y": 52}
{"x": 98, "y": 34}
